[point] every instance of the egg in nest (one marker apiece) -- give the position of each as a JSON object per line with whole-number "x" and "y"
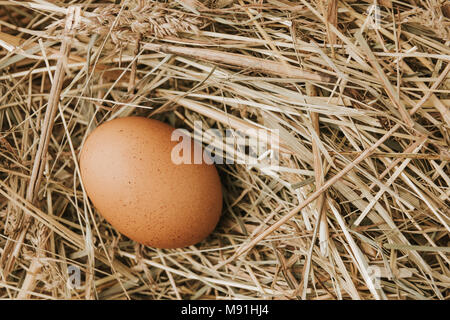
{"x": 128, "y": 173}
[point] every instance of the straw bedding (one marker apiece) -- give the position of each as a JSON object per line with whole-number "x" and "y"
{"x": 359, "y": 95}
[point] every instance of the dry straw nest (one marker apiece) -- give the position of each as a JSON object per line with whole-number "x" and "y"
{"x": 359, "y": 208}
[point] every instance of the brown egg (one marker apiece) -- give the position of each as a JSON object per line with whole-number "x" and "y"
{"x": 128, "y": 173}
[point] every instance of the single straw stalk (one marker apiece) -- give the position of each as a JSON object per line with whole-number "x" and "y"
{"x": 240, "y": 60}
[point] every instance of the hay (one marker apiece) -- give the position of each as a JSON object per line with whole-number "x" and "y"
{"x": 359, "y": 208}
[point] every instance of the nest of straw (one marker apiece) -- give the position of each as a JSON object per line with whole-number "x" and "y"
{"x": 359, "y": 208}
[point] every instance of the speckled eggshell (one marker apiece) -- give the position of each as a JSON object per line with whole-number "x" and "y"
{"x": 129, "y": 176}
